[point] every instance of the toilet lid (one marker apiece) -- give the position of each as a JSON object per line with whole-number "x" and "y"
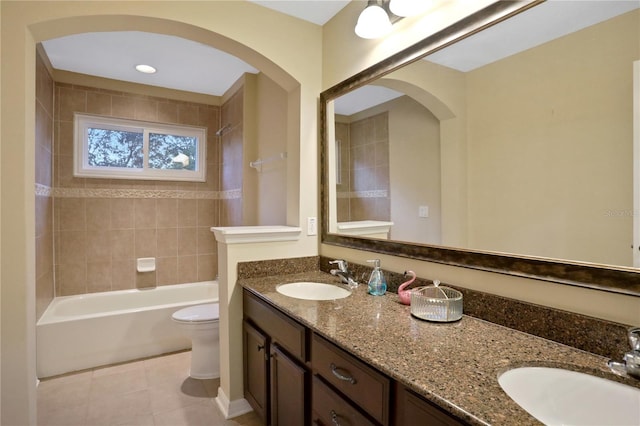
{"x": 208, "y": 312}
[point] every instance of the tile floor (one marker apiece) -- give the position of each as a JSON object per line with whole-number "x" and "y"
{"x": 155, "y": 392}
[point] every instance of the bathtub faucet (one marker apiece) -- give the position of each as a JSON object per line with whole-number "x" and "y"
{"x": 343, "y": 272}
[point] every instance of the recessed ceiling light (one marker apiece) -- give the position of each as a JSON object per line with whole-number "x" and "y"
{"x": 147, "y": 69}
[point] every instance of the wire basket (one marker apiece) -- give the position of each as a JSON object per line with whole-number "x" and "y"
{"x": 434, "y": 303}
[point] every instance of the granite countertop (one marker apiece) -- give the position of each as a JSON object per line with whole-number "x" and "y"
{"x": 455, "y": 365}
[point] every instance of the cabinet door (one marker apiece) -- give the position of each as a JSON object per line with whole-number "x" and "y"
{"x": 410, "y": 410}
{"x": 256, "y": 364}
{"x": 288, "y": 390}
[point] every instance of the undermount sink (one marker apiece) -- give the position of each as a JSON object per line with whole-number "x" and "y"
{"x": 556, "y": 396}
{"x": 313, "y": 291}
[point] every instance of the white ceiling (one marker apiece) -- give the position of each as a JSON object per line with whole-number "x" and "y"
{"x": 191, "y": 66}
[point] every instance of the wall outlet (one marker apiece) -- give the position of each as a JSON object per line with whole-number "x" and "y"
{"x": 312, "y": 226}
{"x": 423, "y": 211}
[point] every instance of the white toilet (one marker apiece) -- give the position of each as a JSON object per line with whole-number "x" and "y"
{"x": 200, "y": 324}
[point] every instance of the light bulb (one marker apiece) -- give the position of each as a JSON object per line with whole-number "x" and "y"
{"x": 407, "y": 7}
{"x": 373, "y": 22}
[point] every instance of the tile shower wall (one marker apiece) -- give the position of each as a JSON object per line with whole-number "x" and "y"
{"x": 232, "y": 155}
{"x": 43, "y": 190}
{"x": 364, "y": 151}
{"x": 103, "y": 225}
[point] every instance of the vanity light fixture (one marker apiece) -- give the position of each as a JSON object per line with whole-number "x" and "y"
{"x": 146, "y": 69}
{"x": 377, "y": 18}
{"x": 407, "y": 8}
{"x": 373, "y": 21}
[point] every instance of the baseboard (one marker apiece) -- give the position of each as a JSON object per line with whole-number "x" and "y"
{"x": 231, "y": 409}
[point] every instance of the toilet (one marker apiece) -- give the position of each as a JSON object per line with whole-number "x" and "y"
{"x": 200, "y": 324}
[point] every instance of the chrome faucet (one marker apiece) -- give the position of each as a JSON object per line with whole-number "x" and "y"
{"x": 343, "y": 272}
{"x": 630, "y": 364}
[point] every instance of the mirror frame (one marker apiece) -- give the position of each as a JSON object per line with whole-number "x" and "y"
{"x": 623, "y": 280}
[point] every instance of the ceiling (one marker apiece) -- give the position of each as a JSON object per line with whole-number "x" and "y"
{"x": 181, "y": 64}
{"x": 195, "y": 67}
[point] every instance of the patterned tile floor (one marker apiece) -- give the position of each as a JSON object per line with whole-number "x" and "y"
{"x": 155, "y": 392}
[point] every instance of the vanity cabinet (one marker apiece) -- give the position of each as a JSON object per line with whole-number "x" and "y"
{"x": 411, "y": 409}
{"x": 276, "y": 378}
{"x": 293, "y": 376}
{"x": 365, "y": 387}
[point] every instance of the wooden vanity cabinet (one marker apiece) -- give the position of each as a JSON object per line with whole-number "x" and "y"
{"x": 295, "y": 377}
{"x": 411, "y": 409}
{"x": 276, "y": 378}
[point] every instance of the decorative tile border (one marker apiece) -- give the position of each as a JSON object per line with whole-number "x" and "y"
{"x": 43, "y": 190}
{"x": 137, "y": 193}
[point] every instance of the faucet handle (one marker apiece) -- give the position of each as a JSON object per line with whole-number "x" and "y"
{"x": 342, "y": 264}
{"x": 634, "y": 338}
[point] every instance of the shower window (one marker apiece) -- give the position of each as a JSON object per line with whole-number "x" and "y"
{"x": 115, "y": 148}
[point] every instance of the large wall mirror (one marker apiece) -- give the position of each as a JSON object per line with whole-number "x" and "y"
{"x": 504, "y": 143}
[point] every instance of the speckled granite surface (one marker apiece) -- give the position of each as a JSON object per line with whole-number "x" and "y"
{"x": 455, "y": 365}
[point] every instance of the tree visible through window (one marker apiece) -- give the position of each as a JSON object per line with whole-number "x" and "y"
{"x": 114, "y": 148}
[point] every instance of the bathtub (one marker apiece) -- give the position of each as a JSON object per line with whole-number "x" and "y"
{"x": 91, "y": 330}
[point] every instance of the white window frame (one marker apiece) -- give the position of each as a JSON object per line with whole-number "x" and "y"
{"x": 81, "y": 167}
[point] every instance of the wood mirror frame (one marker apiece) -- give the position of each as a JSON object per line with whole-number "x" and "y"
{"x": 624, "y": 280}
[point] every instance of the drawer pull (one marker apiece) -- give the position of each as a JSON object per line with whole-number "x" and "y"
{"x": 334, "y": 418}
{"x": 340, "y": 376}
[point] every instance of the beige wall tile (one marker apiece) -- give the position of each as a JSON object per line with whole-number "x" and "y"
{"x": 71, "y": 101}
{"x": 187, "y": 241}
{"x": 123, "y": 107}
{"x": 145, "y": 279}
{"x": 207, "y": 213}
{"x": 122, "y": 216}
{"x": 167, "y": 112}
{"x": 187, "y": 269}
{"x": 206, "y": 241}
{"x": 64, "y": 140}
{"x": 146, "y": 109}
{"x": 167, "y": 271}
{"x": 207, "y": 267}
{"x": 123, "y": 274}
{"x": 73, "y": 246}
{"x": 98, "y": 245}
{"x": 71, "y": 278}
{"x": 145, "y": 213}
{"x": 71, "y": 214}
{"x": 98, "y": 212}
{"x": 98, "y": 103}
{"x": 122, "y": 244}
{"x": 187, "y": 213}
{"x": 188, "y": 114}
{"x": 99, "y": 276}
{"x": 167, "y": 213}
{"x": 145, "y": 243}
{"x": 167, "y": 242}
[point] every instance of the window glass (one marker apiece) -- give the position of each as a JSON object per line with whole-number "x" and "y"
{"x": 108, "y": 147}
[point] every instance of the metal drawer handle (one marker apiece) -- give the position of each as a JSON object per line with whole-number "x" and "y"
{"x": 334, "y": 418}
{"x": 340, "y": 376}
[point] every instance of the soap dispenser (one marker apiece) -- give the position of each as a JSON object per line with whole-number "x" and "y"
{"x": 377, "y": 281}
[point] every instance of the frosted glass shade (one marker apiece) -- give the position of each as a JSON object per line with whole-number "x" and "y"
{"x": 408, "y": 7}
{"x": 373, "y": 22}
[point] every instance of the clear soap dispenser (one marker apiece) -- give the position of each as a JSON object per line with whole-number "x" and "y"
{"x": 377, "y": 281}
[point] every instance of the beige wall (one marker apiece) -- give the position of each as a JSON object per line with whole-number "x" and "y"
{"x": 561, "y": 114}
{"x": 361, "y": 53}
{"x": 239, "y": 28}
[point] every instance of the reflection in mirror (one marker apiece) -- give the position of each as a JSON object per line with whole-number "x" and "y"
{"x": 516, "y": 140}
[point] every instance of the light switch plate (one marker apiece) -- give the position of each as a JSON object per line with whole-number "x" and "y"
{"x": 423, "y": 211}
{"x": 312, "y": 226}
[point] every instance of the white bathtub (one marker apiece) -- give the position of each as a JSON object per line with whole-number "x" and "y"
{"x": 90, "y": 330}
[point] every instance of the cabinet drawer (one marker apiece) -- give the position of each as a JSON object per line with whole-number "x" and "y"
{"x": 328, "y": 408}
{"x": 365, "y": 386}
{"x": 288, "y": 333}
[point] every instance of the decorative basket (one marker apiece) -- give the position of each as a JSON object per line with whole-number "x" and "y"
{"x": 435, "y": 303}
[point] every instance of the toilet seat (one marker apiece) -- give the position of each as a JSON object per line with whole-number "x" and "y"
{"x": 198, "y": 314}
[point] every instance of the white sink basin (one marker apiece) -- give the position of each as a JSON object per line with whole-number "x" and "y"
{"x": 313, "y": 291}
{"x": 562, "y": 397}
